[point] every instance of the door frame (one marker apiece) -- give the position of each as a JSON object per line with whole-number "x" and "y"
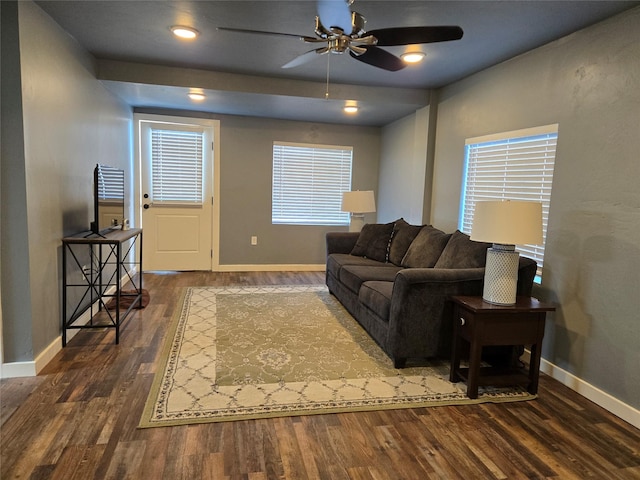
{"x": 137, "y": 173}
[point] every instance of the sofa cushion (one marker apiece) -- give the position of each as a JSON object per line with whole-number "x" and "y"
{"x": 336, "y": 261}
{"x": 376, "y": 296}
{"x": 426, "y": 248}
{"x": 462, "y": 252}
{"x": 402, "y": 236}
{"x": 353, "y": 276}
{"x": 373, "y": 241}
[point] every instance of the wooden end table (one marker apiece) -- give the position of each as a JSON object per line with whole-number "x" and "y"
{"x": 482, "y": 324}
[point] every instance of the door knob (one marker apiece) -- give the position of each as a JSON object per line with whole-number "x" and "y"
{"x": 146, "y": 206}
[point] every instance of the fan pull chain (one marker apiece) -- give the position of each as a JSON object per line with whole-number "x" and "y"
{"x": 326, "y": 93}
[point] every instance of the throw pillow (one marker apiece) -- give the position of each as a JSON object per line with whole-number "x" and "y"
{"x": 403, "y": 234}
{"x": 373, "y": 241}
{"x": 426, "y": 248}
{"x": 462, "y": 252}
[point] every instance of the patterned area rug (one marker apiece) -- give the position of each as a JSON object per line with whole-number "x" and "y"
{"x": 238, "y": 353}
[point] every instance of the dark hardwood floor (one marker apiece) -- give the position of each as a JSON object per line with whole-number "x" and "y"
{"x": 78, "y": 420}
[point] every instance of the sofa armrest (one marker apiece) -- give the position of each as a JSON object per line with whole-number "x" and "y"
{"x": 421, "y": 309}
{"x": 526, "y": 274}
{"x": 419, "y": 319}
{"x": 341, "y": 242}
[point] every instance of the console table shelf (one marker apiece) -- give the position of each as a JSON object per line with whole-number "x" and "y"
{"x": 95, "y": 268}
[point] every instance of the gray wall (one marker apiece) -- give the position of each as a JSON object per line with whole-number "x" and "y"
{"x": 246, "y": 158}
{"x": 403, "y": 162}
{"x": 246, "y": 172}
{"x": 70, "y": 123}
{"x": 589, "y": 83}
{"x": 14, "y": 255}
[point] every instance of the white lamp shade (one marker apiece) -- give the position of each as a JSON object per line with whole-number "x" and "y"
{"x": 359, "y": 201}
{"x": 507, "y": 222}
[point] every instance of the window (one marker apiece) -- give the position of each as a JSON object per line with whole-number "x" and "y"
{"x": 308, "y": 182}
{"x": 510, "y": 166}
{"x": 177, "y": 166}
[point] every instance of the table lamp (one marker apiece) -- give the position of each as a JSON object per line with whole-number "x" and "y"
{"x": 358, "y": 203}
{"x": 505, "y": 224}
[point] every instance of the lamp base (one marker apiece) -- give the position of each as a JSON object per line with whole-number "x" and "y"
{"x": 357, "y": 222}
{"x": 501, "y": 275}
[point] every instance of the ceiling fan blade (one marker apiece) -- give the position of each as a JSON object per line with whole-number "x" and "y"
{"x": 335, "y": 13}
{"x": 306, "y": 57}
{"x": 262, "y": 32}
{"x": 388, "y": 37}
{"x": 380, "y": 58}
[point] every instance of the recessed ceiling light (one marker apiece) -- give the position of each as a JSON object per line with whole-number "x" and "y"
{"x": 186, "y": 33}
{"x": 350, "y": 109}
{"x": 196, "y": 96}
{"x": 413, "y": 57}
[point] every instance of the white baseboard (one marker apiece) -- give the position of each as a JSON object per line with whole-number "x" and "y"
{"x": 33, "y": 367}
{"x": 272, "y": 268}
{"x": 620, "y": 409}
{"x": 18, "y": 369}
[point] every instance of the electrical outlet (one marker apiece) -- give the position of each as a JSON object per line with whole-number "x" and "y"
{"x": 254, "y": 240}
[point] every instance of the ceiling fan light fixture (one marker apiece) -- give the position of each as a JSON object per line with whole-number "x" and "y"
{"x": 196, "y": 96}
{"x": 350, "y": 108}
{"x": 342, "y": 30}
{"x": 186, "y": 33}
{"x": 413, "y": 57}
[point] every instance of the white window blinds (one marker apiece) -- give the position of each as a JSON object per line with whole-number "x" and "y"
{"x": 110, "y": 184}
{"x": 511, "y": 166}
{"x": 308, "y": 182}
{"x": 177, "y": 166}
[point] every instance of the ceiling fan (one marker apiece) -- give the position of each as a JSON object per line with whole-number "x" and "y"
{"x": 341, "y": 30}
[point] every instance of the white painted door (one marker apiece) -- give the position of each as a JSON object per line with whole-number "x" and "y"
{"x": 176, "y": 172}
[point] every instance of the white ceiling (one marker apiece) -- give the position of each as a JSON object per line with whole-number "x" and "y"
{"x": 140, "y": 61}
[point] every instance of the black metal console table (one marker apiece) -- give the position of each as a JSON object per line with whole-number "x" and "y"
{"x": 112, "y": 259}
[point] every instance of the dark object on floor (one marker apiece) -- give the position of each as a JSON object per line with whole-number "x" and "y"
{"x": 126, "y": 299}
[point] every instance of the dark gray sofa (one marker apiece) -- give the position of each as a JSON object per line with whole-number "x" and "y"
{"x": 396, "y": 280}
